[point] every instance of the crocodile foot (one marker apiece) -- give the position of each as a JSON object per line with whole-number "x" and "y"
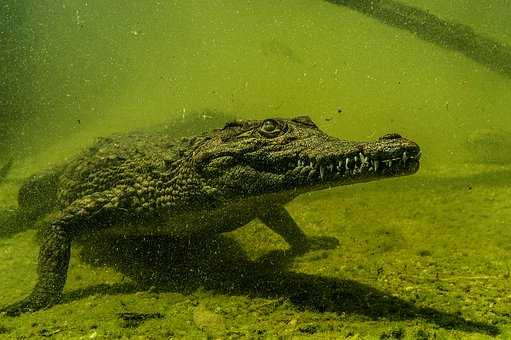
{"x": 315, "y": 243}
{"x": 322, "y": 242}
{"x": 282, "y": 258}
{"x": 29, "y": 304}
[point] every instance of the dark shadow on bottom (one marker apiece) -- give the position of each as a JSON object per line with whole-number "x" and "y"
{"x": 221, "y": 265}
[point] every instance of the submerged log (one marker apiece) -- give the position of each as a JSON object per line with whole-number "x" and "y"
{"x": 458, "y": 37}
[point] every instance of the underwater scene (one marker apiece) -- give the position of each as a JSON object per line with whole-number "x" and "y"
{"x": 316, "y": 169}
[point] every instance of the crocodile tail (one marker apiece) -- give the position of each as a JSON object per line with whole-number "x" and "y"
{"x": 4, "y": 170}
{"x": 38, "y": 195}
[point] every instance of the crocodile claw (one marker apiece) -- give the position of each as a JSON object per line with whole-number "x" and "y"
{"x": 29, "y": 304}
{"x": 322, "y": 242}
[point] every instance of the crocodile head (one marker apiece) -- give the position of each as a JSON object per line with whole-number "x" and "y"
{"x": 253, "y": 157}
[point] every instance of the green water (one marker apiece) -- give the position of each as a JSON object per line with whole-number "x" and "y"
{"x": 422, "y": 256}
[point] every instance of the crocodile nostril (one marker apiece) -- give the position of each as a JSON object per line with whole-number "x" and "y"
{"x": 391, "y": 136}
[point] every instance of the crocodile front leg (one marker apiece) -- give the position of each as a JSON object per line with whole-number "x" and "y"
{"x": 52, "y": 267}
{"x": 278, "y": 219}
{"x": 91, "y": 211}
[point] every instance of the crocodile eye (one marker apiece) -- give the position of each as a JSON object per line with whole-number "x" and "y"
{"x": 270, "y": 128}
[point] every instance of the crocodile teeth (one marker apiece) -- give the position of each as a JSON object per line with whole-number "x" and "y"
{"x": 330, "y": 167}
{"x": 321, "y": 171}
{"x": 311, "y": 175}
{"x": 376, "y": 164}
{"x": 346, "y": 164}
{"x": 304, "y": 171}
{"x": 357, "y": 170}
{"x": 404, "y": 157}
{"x": 365, "y": 160}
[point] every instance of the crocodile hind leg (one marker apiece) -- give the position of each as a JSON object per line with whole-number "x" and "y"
{"x": 88, "y": 212}
{"x": 280, "y": 221}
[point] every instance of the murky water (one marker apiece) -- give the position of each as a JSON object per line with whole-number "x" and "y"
{"x": 436, "y": 244}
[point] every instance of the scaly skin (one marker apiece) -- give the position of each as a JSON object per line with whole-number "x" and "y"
{"x": 147, "y": 183}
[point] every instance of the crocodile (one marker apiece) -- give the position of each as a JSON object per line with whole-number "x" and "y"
{"x": 147, "y": 183}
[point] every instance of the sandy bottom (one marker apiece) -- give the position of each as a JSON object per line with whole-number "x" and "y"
{"x": 420, "y": 257}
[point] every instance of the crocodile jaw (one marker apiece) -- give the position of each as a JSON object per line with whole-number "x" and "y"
{"x": 248, "y": 158}
{"x": 351, "y": 168}
{"x": 337, "y": 162}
